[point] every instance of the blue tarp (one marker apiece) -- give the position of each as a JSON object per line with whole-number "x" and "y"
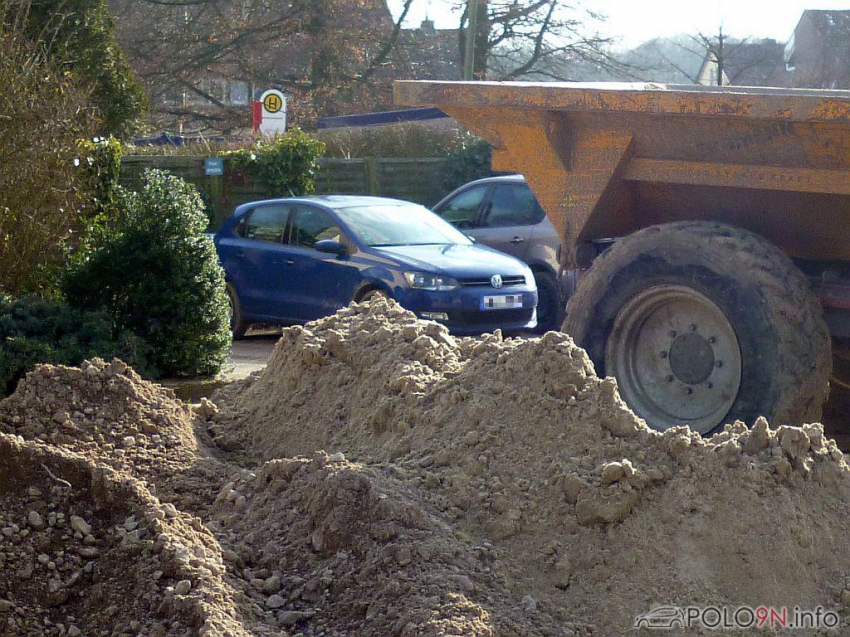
{"x": 166, "y": 139}
{"x": 378, "y": 119}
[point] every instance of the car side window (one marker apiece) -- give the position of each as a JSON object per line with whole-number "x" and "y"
{"x": 462, "y": 210}
{"x": 266, "y": 223}
{"x": 512, "y": 205}
{"x": 310, "y": 225}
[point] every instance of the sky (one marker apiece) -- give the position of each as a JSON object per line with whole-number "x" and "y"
{"x": 636, "y": 21}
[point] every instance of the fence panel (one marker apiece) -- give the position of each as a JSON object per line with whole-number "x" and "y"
{"x": 416, "y": 179}
{"x": 343, "y": 176}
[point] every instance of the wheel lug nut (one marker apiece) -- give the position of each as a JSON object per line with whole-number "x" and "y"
{"x": 719, "y": 363}
{"x": 710, "y": 385}
{"x": 689, "y": 390}
{"x": 670, "y": 379}
{"x": 712, "y": 340}
{"x": 673, "y": 334}
{"x": 663, "y": 354}
{"x": 693, "y": 327}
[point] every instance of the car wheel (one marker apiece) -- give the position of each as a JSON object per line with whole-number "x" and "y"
{"x": 550, "y": 305}
{"x": 372, "y": 294}
{"x": 238, "y": 326}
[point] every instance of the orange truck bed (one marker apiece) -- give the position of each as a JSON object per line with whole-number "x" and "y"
{"x": 606, "y": 160}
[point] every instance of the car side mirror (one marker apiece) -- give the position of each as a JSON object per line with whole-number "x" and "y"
{"x": 330, "y": 246}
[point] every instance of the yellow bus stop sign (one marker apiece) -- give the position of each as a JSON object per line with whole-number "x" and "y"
{"x": 272, "y": 103}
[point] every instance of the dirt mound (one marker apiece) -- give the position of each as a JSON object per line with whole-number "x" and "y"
{"x": 87, "y": 551}
{"x": 595, "y": 517}
{"x": 107, "y": 413}
{"x": 340, "y": 547}
{"x": 444, "y": 487}
{"x": 103, "y": 411}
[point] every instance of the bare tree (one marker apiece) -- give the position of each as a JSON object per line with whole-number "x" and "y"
{"x": 43, "y": 115}
{"x": 202, "y": 59}
{"x": 726, "y": 60}
{"x": 534, "y": 39}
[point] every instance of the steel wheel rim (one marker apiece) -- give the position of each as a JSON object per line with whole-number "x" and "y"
{"x": 676, "y": 358}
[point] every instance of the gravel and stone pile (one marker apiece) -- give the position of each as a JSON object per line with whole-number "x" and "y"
{"x": 105, "y": 412}
{"x": 87, "y": 551}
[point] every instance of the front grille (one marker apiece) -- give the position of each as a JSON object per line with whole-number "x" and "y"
{"x": 485, "y": 281}
{"x": 491, "y": 317}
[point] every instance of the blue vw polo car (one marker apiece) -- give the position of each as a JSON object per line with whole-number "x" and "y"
{"x": 297, "y": 259}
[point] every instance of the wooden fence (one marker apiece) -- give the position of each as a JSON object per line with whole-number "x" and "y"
{"x": 414, "y": 179}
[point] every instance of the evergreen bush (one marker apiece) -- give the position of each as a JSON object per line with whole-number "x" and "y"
{"x": 158, "y": 276}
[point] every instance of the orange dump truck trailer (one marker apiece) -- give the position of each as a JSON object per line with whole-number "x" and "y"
{"x": 712, "y": 226}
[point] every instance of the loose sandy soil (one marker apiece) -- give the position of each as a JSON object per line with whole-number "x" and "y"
{"x": 381, "y": 477}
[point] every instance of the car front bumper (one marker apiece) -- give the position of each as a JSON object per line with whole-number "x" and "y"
{"x": 463, "y": 308}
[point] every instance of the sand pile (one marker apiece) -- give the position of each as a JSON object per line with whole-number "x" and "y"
{"x": 594, "y": 517}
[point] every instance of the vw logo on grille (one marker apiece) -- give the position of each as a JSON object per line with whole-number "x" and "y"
{"x": 496, "y": 280}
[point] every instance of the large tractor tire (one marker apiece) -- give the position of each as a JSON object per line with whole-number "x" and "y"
{"x": 703, "y": 324}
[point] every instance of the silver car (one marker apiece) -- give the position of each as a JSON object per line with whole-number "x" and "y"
{"x": 503, "y": 213}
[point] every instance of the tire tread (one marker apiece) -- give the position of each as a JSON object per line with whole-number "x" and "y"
{"x": 795, "y": 313}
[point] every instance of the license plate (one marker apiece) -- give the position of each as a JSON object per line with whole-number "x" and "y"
{"x": 504, "y": 302}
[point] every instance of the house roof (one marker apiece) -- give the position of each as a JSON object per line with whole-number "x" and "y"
{"x": 827, "y": 20}
{"x": 429, "y": 53}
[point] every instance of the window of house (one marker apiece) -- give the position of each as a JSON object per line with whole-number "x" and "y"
{"x": 239, "y": 93}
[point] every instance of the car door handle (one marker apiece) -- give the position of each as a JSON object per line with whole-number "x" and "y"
{"x": 240, "y": 255}
{"x": 517, "y": 240}
{"x": 289, "y": 262}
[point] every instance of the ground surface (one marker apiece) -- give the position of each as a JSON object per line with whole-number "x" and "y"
{"x": 251, "y": 353}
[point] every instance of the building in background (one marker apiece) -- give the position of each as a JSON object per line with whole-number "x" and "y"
{"x": 818, "y": 53}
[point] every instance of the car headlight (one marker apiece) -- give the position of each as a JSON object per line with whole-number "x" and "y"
{"x": 433, "y": 282}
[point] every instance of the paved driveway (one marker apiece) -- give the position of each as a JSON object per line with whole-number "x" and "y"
{"x": 251, "y": 353}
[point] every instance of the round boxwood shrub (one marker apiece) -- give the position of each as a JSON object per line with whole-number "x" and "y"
{"x": 158, "y": 276}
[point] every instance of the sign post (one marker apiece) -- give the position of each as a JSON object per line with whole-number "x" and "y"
{"x": 273, "y": 113}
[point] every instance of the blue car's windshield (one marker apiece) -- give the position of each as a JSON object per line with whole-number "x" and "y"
{"x": 400, "y": 225}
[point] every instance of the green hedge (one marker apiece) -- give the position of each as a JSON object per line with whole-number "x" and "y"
{"x": 287, "y": 165}
{"x": 34, "y": 330}
{"x": 98, "y": 172}
{"x": 79, "y": 35}
{"x": 471, "y": 159}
